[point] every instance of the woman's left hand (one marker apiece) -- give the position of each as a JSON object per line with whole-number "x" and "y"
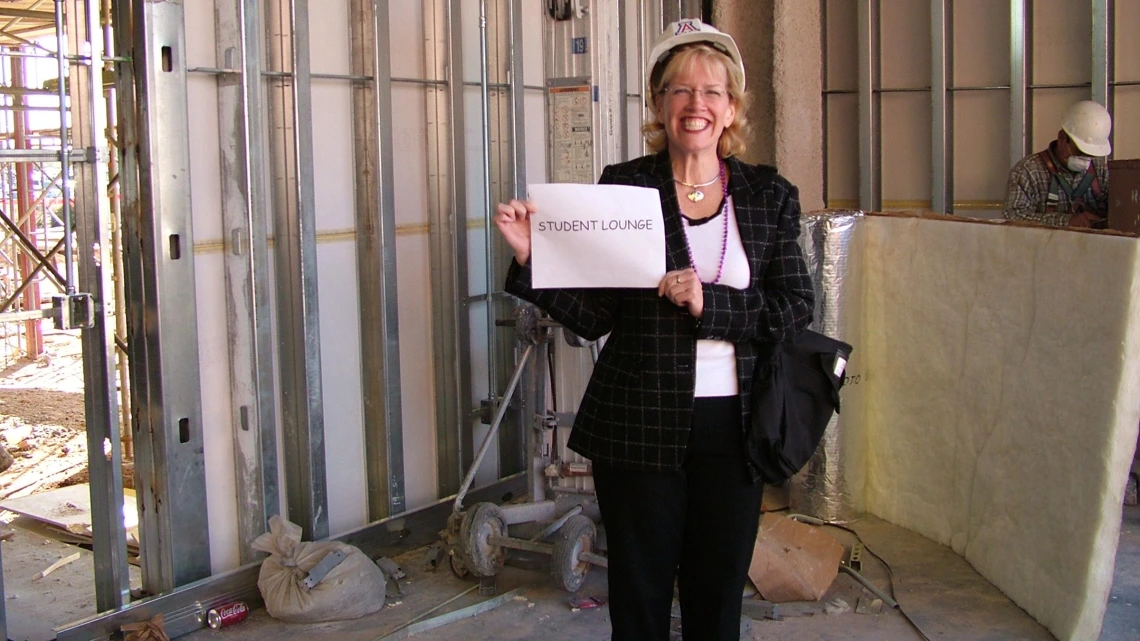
{"x": 683, "y": 289}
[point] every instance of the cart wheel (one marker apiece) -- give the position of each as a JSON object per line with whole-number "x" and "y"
{"x": 575, "y": 537}
{"x": 481, "y": 523}
{"x": 457, "y": 567}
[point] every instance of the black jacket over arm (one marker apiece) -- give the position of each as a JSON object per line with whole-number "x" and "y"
{"x": 637, "y": 409}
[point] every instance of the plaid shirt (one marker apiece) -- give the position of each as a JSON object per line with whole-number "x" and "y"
{"x": 1028, "y": 190}
{"x": 637, "y": 409}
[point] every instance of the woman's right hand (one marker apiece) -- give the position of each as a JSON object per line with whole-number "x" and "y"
{"x": 513, "y": 221}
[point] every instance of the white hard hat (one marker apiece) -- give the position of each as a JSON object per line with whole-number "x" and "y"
{"x": 1088, "y": 125}
{"x": 689, "y": 31}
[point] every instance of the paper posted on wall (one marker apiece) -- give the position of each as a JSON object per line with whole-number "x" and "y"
{"x": 596, "y": 236}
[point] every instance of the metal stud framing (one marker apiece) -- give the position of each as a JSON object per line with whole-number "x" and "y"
{"x": 941, "y": 189}
{"x": 1102, "y": 62}
{"x": 92, "y": 210}
{"x": 241, "y": 132}
{"x": 870, "y": 192}
{"x": 1019, "y": 47}
{"x": 451, "y": 338}
{"x": 376, "y": 258}
{"x": 159, "y": 264}
{"x": 294, "y": 207}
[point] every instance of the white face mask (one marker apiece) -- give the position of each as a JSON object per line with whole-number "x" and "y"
{"x": 1079, "y": 164}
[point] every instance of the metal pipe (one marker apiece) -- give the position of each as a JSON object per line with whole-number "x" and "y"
{"x": 61, "y": 65}
{"x": 553, "y": 527}
{"x": 891, "y": 603}
{"x": 940, "y": 113}
{"x": 467, "y": 480}
{"x": 488, "y": 244}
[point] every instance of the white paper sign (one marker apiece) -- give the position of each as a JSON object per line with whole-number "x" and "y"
{"x": 596, "y": 236}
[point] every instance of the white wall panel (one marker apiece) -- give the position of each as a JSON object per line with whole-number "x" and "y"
{"x": 213, "y": 358}
{"x": 533, "y": 18}
{"x": 409, "y": 166}
{"x": 981, "y": 132}
{"x": 843, "y": 149}
{"x": 406, "y": 39}
{"x": 535, "y": 136}
{"x": 340, "y": 381}
{"x": 418, "y": 394}
{"x": 329, "y": 42}
{"x": 334, "y": 177}
{"x": 905, "y": 44}
{"x": 199, "y": 18}
{"x": 906, "y": 161}
{"x": 1062, "y": 41}
{"x": 981, "y": 43}
{"x": 1127, "y": 129}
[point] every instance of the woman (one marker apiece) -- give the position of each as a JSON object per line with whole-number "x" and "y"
{"x": 663, "y": 418}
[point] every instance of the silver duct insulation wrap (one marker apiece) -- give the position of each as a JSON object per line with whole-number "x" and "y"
{"x": 825, "y": 488}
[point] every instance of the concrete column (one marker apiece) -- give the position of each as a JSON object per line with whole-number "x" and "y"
{"x": 780, "y": 41}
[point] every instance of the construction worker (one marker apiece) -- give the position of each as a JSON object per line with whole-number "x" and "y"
{"x": 1066, "y": 184}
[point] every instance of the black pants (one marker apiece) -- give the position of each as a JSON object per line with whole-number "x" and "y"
{"x": 696, "y": 525}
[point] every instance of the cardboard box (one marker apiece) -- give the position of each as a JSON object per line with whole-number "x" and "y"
{"x": 792, "y": 561}
{"x": 1124, "y": 195}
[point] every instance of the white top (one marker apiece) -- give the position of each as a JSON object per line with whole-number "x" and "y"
{"x": 716, "y": 360}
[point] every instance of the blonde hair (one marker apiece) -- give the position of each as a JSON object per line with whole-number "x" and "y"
{"x": 732, "y": 138}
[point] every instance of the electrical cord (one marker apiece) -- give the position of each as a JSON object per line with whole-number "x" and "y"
{"x": 811, "y": 520}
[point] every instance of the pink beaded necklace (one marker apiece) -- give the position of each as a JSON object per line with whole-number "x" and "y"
{"x": 723, "y": 240}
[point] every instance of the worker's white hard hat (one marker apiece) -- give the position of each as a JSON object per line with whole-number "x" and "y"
{"x": 1088, "y": 124}
{"x": 688, "y": 31}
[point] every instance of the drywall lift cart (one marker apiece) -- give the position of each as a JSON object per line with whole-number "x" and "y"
{"x": 477, "y": 538}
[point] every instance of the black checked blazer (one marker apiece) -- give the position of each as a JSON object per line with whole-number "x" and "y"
{"x": 637, "y": 409}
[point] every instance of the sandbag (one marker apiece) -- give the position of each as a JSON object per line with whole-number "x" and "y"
{"x": 354, "y": 588}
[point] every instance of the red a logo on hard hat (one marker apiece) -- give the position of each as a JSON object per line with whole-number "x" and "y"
{"x": 686, "y": 26}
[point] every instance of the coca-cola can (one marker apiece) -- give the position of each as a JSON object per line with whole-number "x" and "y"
{"x": 228, "y": 614}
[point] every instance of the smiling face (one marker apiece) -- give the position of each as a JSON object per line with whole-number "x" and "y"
{"x": 694, "y": 106}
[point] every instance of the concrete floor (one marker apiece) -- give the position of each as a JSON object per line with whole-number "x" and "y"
{"x": 942, "y": 593}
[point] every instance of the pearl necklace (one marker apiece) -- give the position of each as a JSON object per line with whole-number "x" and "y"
{"x": 724, "y": 236}
{"x": 697, "y": 195}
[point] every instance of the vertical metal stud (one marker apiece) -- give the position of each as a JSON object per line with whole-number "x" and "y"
{"x": 166, "y": 399}
{"x": 1018, "y": 80}
{"x": 246, "y": 262}
{"x": 518, "y": 102}
{"x": 376, "y": 258}
{"x": 1102, "y": 62}
{"x": 447, "y": 177}
{"x": 940, "y": 153}
{"x": 869, "y": 143}
{"x": 101, "y": 406}
{"x": 298, "y": 328}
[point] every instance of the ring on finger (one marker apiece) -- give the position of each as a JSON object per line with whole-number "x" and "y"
{"x": 678, "y": 280}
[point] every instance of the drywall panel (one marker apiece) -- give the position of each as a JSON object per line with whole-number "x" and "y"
{"x": 1126, "y": 129}
{"x": 1003, "y": 401}
{"x": 409, "y": 162}
{"x": 842, "y": 150}
{"x": 1062, "y": 42}
{"x": 329, "y": 42}
{"x": 535, "y": 147}
{"x": 339, "y": 311}
{"x": 980, "y": 51}
{"x": 906, "y": 162}
{"x": 1049, "y": 107}
{"x": 334, "y": 175}
{"x": 842, "y": 41}
{"x": 981, "y": 136}
{"x": 416, "y": 358}
{"x": 533, "y": 18}
{"x": 406, "y": 38}
{"x": 904, "y": 44}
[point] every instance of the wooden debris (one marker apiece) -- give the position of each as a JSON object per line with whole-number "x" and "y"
{"x": 59, "y": 564}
